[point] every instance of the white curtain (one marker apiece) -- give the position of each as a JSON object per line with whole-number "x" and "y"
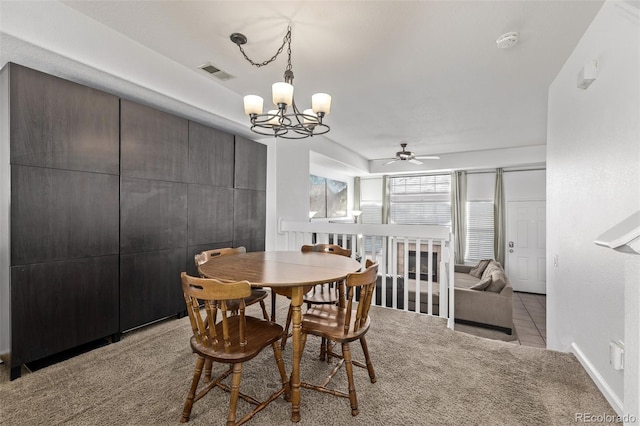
{"x": 499, "y": 219}
{"x": 458, "y": 212}
{"x": 356, "y": 195}
{"x": 386, "y": 199}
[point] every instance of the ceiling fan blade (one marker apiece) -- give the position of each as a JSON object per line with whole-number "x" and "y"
{"x": 427, "y": 157}
{"x": 414, "y": 161}
{"x": 389, "y": 162}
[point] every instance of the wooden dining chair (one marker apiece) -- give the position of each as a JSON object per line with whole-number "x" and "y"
{"x": 344, "y": 325}
{"x": 320, "y": 294}
{"x": 257, "y": 294}
{"x": 233, "y": 340}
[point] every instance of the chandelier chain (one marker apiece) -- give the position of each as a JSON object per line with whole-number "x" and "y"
{"x": 285, "y": 40}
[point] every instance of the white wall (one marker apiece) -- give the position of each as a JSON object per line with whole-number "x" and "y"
{"x": 593, "y": 181}
{"x": 292, "y": 166}
{"x": 525, "y": 185}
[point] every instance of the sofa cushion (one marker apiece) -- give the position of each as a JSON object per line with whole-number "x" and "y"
{"x": 462, "y": 280}
{"x": 482, "y": 284}
{"x": 498, "y": 281}
{"x": 479, "y": 268}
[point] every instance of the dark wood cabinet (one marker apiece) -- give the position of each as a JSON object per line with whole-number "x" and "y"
{"x": 62, "y": 214}
{"x": 109, "y": 201}
{"x": 64, "y": 153}
{"x": 150, "y": 286}
{"x": 154, "y": 144}
{"x": 251, "y": 165}
{"x": 59, "y": 305}
{"x": 249, "y": 215}
{"x": 211, "y": 156}
{"x": 211, "y": 214}
{"x": 153, "y": 215}
{"x": 59, "y": 124}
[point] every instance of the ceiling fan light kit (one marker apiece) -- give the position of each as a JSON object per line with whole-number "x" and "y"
{"x": 287, "y": 121}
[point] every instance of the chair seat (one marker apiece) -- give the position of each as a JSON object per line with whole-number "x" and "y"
{"x": 327, "y": 321}
{"x": 260, "y": 333}
{"x": 257, "y": 294}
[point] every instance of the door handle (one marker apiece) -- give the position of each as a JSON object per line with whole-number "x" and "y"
{"x": 511, "y": 244}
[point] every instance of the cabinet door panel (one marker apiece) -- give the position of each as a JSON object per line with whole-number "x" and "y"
{"x": 150, "y": 287}
{"x": 251, "y": 165}
{"x": 60, "y": 305}
{"x": 153, "y": 215}
{"x": 60, "y": 214}
{"x": 59, "y": 124}
{"x": 211, "y": 156}
{"x": 210, "y": 214}
{"x": 249, "y": 215}
{"x": 154, "y": 144}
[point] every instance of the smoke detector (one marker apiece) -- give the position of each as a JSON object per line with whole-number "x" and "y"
{"x": 507, "y": 40}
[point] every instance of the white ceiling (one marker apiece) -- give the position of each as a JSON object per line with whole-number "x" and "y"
{"x": 424, "y": 72}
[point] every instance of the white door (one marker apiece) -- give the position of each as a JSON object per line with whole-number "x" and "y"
{"x": 526, "y": 246}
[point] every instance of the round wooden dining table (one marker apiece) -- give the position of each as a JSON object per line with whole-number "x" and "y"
{"x": 284, "y": 269}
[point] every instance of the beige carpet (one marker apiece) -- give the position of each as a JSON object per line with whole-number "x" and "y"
{"x": 427, "y": 375}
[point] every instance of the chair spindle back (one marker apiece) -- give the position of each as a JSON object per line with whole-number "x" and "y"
{"x": 215, "y": 295}
{"x": 365, "y": 281}
{"x": 327, "y": 248}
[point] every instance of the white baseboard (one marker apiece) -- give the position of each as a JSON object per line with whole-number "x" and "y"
{"x": 606, "y": 390}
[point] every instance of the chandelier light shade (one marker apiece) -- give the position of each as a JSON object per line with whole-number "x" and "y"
{"x": 287, "y": 121}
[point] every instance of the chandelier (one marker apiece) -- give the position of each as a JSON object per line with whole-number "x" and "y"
{"x": 287, "y": 121}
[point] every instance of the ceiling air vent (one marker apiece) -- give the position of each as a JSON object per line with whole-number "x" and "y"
{"x": 216, "y": 72}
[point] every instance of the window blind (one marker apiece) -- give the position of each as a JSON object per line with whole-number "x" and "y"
{"x": 479, "y": 244}
{"x": 421, "y": 200}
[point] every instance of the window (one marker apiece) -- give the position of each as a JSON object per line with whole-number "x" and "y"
{"x": 421, "y": 200}
{"x": 479, "y": 244}
{"x": 371, "y": 213}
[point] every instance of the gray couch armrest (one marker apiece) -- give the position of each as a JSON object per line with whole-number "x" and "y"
{"x": 463, "y": 268}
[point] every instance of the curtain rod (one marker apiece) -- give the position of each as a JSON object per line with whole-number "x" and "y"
{"x": 469, "y": 172}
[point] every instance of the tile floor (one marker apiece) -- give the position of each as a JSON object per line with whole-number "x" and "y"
{"x": 530, "y": 319}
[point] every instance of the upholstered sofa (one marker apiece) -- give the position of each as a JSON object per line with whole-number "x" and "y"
{"x": 482, "y": 305}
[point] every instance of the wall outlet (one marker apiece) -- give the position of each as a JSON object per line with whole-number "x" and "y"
{"x": 616, "y": 355}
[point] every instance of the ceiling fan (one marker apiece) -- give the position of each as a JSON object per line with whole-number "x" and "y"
{"x": 409, "y": 156}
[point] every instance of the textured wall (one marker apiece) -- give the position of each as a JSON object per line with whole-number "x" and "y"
{"x": 593, "y": 177}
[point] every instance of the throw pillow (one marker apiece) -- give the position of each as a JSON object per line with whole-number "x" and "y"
{"x": 498, "y": 281}
{"x": 492, "y": 266}
{"x": 479, "y": 268}
{"x": 482, "y": 284}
